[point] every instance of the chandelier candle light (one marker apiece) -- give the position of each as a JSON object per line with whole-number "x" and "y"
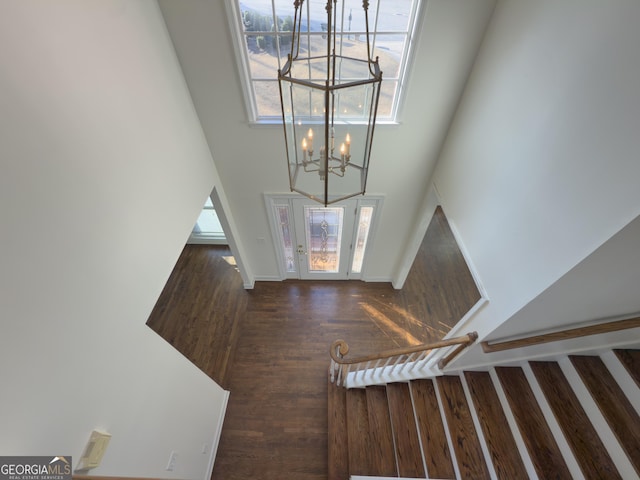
{"x": 329, "y": 96}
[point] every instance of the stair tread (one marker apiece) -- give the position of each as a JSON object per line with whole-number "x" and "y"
{"x": 631, "y": 360}
{"x": 542, "y": 447}
{"x": 466, "y": 444}
{"x": 614, "y": 405}
{"x": 338, "y": 460}
{"x": 358, "y": 432}
{"x": 500, "y": 442}
{"x": 405, "y": 433}
{"x": 383, "y": 457}
{"x": 431, "y": 430}
{"x": 582, "y": 437}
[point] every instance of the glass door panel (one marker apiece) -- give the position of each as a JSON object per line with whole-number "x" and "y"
{"x": 320, "y": 243}
{"x": 323, "y": 229}
{"x": 324, "y": 239}
{"x": 364, "y": 226}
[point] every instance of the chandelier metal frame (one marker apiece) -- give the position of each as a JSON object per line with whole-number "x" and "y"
{"x": 350, "y": 161}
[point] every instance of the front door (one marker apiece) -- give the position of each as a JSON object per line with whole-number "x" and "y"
{"x": 324, "y": 238}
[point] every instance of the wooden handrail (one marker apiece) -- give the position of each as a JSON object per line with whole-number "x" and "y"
{"x": 407, "y": 357}
{"x": 466, "y": 340}
{"x": 443, "y": 362}
{"x": 562, "y": 335}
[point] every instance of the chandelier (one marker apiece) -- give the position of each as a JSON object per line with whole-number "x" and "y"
{"x": 329, "y": 92}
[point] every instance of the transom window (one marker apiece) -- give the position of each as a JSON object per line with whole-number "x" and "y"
{"x": 263, "y": 40}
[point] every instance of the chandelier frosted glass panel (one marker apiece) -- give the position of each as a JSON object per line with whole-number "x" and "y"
{"x": 329, "y": 92}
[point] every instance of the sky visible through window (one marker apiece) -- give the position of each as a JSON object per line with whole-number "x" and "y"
{"x": 264, "y": 29}
{"x": 208, "y": 223}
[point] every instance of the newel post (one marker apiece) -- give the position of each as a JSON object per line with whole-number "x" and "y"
{"x": 338, "y": 350}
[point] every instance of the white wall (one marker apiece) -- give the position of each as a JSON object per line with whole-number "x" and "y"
{"x": 603, "y": 286}
{"x": 103, "y": 171}
{"x": 540, "y": 166}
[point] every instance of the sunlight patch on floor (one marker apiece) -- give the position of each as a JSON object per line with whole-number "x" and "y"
{"x": 386, "y": 325}
{"x": 404, "y": 313}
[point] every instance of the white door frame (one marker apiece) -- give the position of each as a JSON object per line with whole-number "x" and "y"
{"x": 273, "y": 201}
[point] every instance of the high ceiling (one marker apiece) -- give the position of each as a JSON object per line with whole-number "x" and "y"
{"x": 250, "y": 159}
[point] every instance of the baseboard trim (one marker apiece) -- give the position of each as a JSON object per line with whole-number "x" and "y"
{"x": 218, "y": 433}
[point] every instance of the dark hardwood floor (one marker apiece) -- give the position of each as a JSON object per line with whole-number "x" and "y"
{"x": 269, "y": 346}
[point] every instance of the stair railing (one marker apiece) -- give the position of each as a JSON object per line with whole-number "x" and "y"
{"x": 394, "y": 361}
{"x": 600, "y": 328}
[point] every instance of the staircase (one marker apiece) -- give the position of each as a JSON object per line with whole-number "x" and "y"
{"x": 574, "y": 418}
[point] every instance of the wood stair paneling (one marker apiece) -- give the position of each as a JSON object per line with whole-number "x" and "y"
{"x": 614, "y": 405}
{"x": 497, "y": 434}
{"x": 426, "y": 428}
{"x": 337, "y": 434}
{"x": 405, "y": 432}
{"x": 541, "y": 445}
{"x": 582, "y": 437}
{"x": 631, "y": 360}
{"x": 358, "y": 432}
{"x": 383, "y": 458}
{"x": 431, "y": 428}
{"x": 466, "y": 444}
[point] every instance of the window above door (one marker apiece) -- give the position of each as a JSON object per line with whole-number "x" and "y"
{"x": 262, "y": 30}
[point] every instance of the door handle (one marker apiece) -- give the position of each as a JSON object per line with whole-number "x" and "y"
{"x": 301, "y": 250}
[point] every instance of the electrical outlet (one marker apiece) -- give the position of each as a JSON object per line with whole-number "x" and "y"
{"x": 171, "y": 465}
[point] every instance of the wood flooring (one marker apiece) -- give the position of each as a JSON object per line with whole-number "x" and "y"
{"x": 269, "y": 346}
